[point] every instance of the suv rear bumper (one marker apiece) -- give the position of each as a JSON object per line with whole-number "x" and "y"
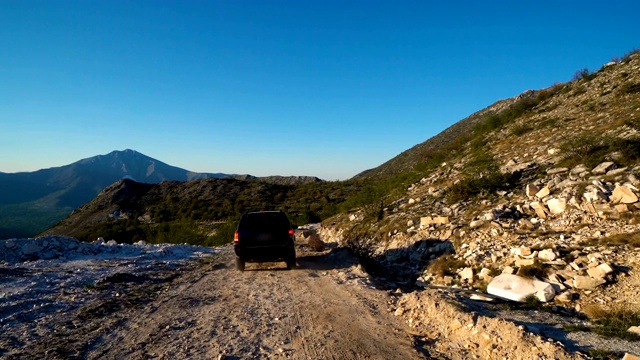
{"x": 265, "y": 253}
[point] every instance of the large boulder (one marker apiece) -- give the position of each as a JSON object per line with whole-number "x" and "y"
{"x": 517, "y": 288}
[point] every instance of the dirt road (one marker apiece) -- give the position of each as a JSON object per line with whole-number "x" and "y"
{"x": 323, "y": 309}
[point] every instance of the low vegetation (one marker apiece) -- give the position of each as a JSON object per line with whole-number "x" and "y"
{"x": 612, "y": 322}
{"x": 632, "y": 239}
{"x": 592, "y": 150}
{"x": 446, "y": 265}
{"x": 536, "y": 271}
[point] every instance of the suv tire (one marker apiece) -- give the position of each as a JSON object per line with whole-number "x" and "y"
{"x": 239, "y": 264}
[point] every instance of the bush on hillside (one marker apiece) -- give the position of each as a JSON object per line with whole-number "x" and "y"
{"x": 630, "y": 88}
{"x": 483, "y": 178}
{"x": 592, "y": 150}
{"x": 583, "y": 74}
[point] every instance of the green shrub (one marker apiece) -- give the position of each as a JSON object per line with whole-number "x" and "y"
{"x": 536, "y": 271}
{"x": 599, "y": 354}
{"x": 584, "y": 149}
{"x": 223, "y": 234}
{"x": 445, "y": 266}
{"x": 506, "y": 116}
{"x": 630, "y": 88}
{"x": 474, "y": 186}
{"x": 583, "y": 74}
{"x": 627, "y": 57}
{"x": 521, "y": 129}
{"x": 531, "y": 302}
{"x": 550, "y": 122}
{"x": 633, "y": 123}
{"x": 632, "y": 239}
{"x": 579, "y": 90}
{"x": 613, "y": 322}
{"x": 362, "y": 241}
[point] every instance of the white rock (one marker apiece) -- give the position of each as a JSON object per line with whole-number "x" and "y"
{"x": 566, "y": 297}
{"x": 545, "y": 191}
{"x": 525, "y": 224}
{"x": 603, "y": 168}
{"x": 476, "y": 224}
{"x": 531, "y": 190}
{"x": 478, "y": 297}
{"x": 520, "y": 262}
{"x": 557, "y": 171}
{"x": 634, "y": 329}
{"x": 606, "y": 268}
{"x": 30, "y": 248}
{"x": 522, "y": 251}
{"x": 539, "y": 209}
{"x": 441, "y": 220}
{"x": 489, "y": 216}
{"x": 466, "y": 274}
{"x": 586, "y": 282}
{"x": 566, "y": 183}
{"x": 547, "y": 255}
{"x": 484, "y": 273}
{"x": 621, "y": 208}
{"x": 596, "y": 273}
{"x": 624, "y": 195}
{"x": 615, "y": 172}
{"x": 517, "y": 288}
{"x": 557, "y": 206}
{"x": 579, "y": 169}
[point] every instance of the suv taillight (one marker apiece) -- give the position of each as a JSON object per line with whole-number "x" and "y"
{"x": 236, "y": 238}
{"x": 291, "y": 232}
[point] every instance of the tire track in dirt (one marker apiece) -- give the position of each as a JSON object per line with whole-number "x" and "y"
{"x": 265, "y": 312}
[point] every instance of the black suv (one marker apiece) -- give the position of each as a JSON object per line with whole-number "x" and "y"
{"x": 264, "y": 236}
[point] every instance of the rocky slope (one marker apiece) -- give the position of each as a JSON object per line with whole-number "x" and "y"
{"x": 567, "y": 215}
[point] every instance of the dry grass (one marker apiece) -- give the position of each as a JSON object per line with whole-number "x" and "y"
{"x": 535, "y": 271}
{"x": 632, "y": 239}
{"x": 614, "y": 321}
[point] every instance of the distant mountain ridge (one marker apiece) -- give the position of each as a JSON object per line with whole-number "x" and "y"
{"x": 33, "y": 201}
{"x": 82, "y": 180}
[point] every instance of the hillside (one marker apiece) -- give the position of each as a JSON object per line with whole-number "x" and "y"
{"x": 30, "y": 202}
{"x": 595, "y": 104}
{"x": 546, "y": 189}
{"x": 198, "y": 211}
{"x": 429, "y": 149}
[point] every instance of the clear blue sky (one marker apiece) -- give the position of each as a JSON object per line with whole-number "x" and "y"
{"x": 324, "y": 88}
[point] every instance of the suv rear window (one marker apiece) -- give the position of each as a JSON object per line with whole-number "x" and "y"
{"x": 270, "y": 221}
